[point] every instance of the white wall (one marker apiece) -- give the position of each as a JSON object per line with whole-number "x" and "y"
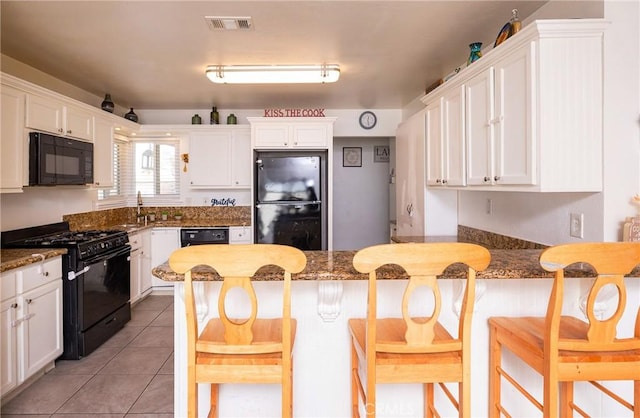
{"x": 360, "y": 197}
{"x": 544, "y": 217}
{"x": 345, "y": 125}
{"x": 43, "y": 205}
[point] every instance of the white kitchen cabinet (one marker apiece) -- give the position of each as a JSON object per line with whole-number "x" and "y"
{"x": 534, "y": 110}
{"x": 290, "y": 133}
{"x": 13, "y": 144}
{"x": 164, "y": 241}
{"x": 445, "y": 140}
{"x": 52, "y": 115}
{"x": 103, "y": 153}
{"x": 41, "y": 327}
{"x": 240, "y": 235}
{"x": 420, "y": 211}
{"x": 220, "y": 158}
{"x": 140, "y": 264}
{"x": 500, "y": 147}
{"x": 31, "y": 321}
{"x": 8, "y": 333}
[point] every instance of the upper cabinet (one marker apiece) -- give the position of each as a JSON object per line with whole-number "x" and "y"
{"x": 220, "y": 157}
{"x": 445, "y": 139}
{"x": 287, "y": 133}
{"x": 26, "y": 107}
{"x": 532, "y": 115}
{"x": 13, "y": 143}
{"x": 103, "y": 153}
{"x": 51, "y": 115}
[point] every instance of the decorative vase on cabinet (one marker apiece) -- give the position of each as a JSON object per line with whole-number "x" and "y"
{"x": 107, "y": 104}
{"x": 131, "y": 116}
{"x": 475, "y": 53}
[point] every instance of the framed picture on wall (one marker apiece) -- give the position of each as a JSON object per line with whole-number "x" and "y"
{"x": 351, "y": 156}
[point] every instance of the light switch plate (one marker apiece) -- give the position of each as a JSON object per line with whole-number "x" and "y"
{"x": 576, "y": 225}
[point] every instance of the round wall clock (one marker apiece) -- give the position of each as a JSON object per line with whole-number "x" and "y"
{"x": 368, "y": 119}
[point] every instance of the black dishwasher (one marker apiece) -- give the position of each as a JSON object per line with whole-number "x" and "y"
{"x": 199, "y": 236}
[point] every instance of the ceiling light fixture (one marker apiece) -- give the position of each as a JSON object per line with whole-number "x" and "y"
{"x": 271, "y": 74}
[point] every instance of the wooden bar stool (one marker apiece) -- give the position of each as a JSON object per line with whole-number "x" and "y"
{"x": 564, "y": 349}
{"x": 230, "y": 350}
{"x": 414, "y": 350}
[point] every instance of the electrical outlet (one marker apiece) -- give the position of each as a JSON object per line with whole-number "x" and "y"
{"x": 576, "y": 225}
{"x": 489, "y": 209}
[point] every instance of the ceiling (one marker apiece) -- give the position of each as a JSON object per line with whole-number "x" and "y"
{"x": 153, "y": 54}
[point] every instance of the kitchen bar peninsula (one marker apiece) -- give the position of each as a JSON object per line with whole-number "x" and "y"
{"x": 329, "y": 291}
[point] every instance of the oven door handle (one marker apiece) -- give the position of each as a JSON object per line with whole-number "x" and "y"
{"x": 126, "y": 249}
{"x": 74, "y": 274}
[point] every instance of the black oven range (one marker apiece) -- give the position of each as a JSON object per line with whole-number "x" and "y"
{"x": 96, "y": 276}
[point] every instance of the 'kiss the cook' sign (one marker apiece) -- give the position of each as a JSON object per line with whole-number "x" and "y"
{"x": 293, "y": 113}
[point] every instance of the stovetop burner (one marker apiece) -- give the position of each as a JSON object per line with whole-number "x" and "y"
{"x": 69, "y": 237}
{"x": 88, "y": 243}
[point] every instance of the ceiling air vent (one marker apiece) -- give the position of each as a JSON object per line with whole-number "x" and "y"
{"x": 229, "y": 22}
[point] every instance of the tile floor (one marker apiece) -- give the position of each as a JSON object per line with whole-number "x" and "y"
{"x": 131, "y": 375}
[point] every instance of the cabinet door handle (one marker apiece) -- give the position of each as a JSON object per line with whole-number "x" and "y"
{"x": 60, "y": 130}
{"x": 496, "y": 178}
{"x": 69, "y": 131}
{"x": 438, "y": 181}
{"x": 28, "y": 301}
{"x": 486, "y": 179}
{"x": 14, "y": 306}
{"x": 444, "y": 181}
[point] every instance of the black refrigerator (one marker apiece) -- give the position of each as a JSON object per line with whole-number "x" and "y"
{"x": 290, "y": 196}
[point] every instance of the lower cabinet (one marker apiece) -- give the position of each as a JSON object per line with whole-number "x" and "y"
{"x": 30, "y": 321}
{"x": 140, "y": 264}
{"x": 240, "y": 235}
{"x": 164, "y": 241}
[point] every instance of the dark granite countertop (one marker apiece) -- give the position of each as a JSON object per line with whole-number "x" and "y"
{"x": 19, "y": 257}
{"x": 189, "y": 223}
{"x": 337, "y": 265}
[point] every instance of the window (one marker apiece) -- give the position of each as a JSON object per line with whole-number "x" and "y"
{"x": 120, "y": 169}
{"x": 157, "y": 168}
{"x": 149, "y": 166}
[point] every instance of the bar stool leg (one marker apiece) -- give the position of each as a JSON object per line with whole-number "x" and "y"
{"x": 192, "y": 393}
{"x": 354, "y": 382}
{"x": 287, "y": 387}
{"x": 213, "y": 412}
{"x": 636, "y": 399}
{"x": 428, "y": 400}
{"x": 566, "y": 399}
{"x": 551, "y": 383}
{"x": 495, "y": 360}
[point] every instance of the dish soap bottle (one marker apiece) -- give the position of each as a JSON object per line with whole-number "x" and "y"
{"x": 214, "y": 118}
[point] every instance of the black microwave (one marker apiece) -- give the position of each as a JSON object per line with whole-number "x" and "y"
{"x": 54, "y": 160}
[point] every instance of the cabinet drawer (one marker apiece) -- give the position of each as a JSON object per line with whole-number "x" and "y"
{"x": 8, "y": 285}
{"x": 135, "y": 240}
{"x": 39, "y": 274}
